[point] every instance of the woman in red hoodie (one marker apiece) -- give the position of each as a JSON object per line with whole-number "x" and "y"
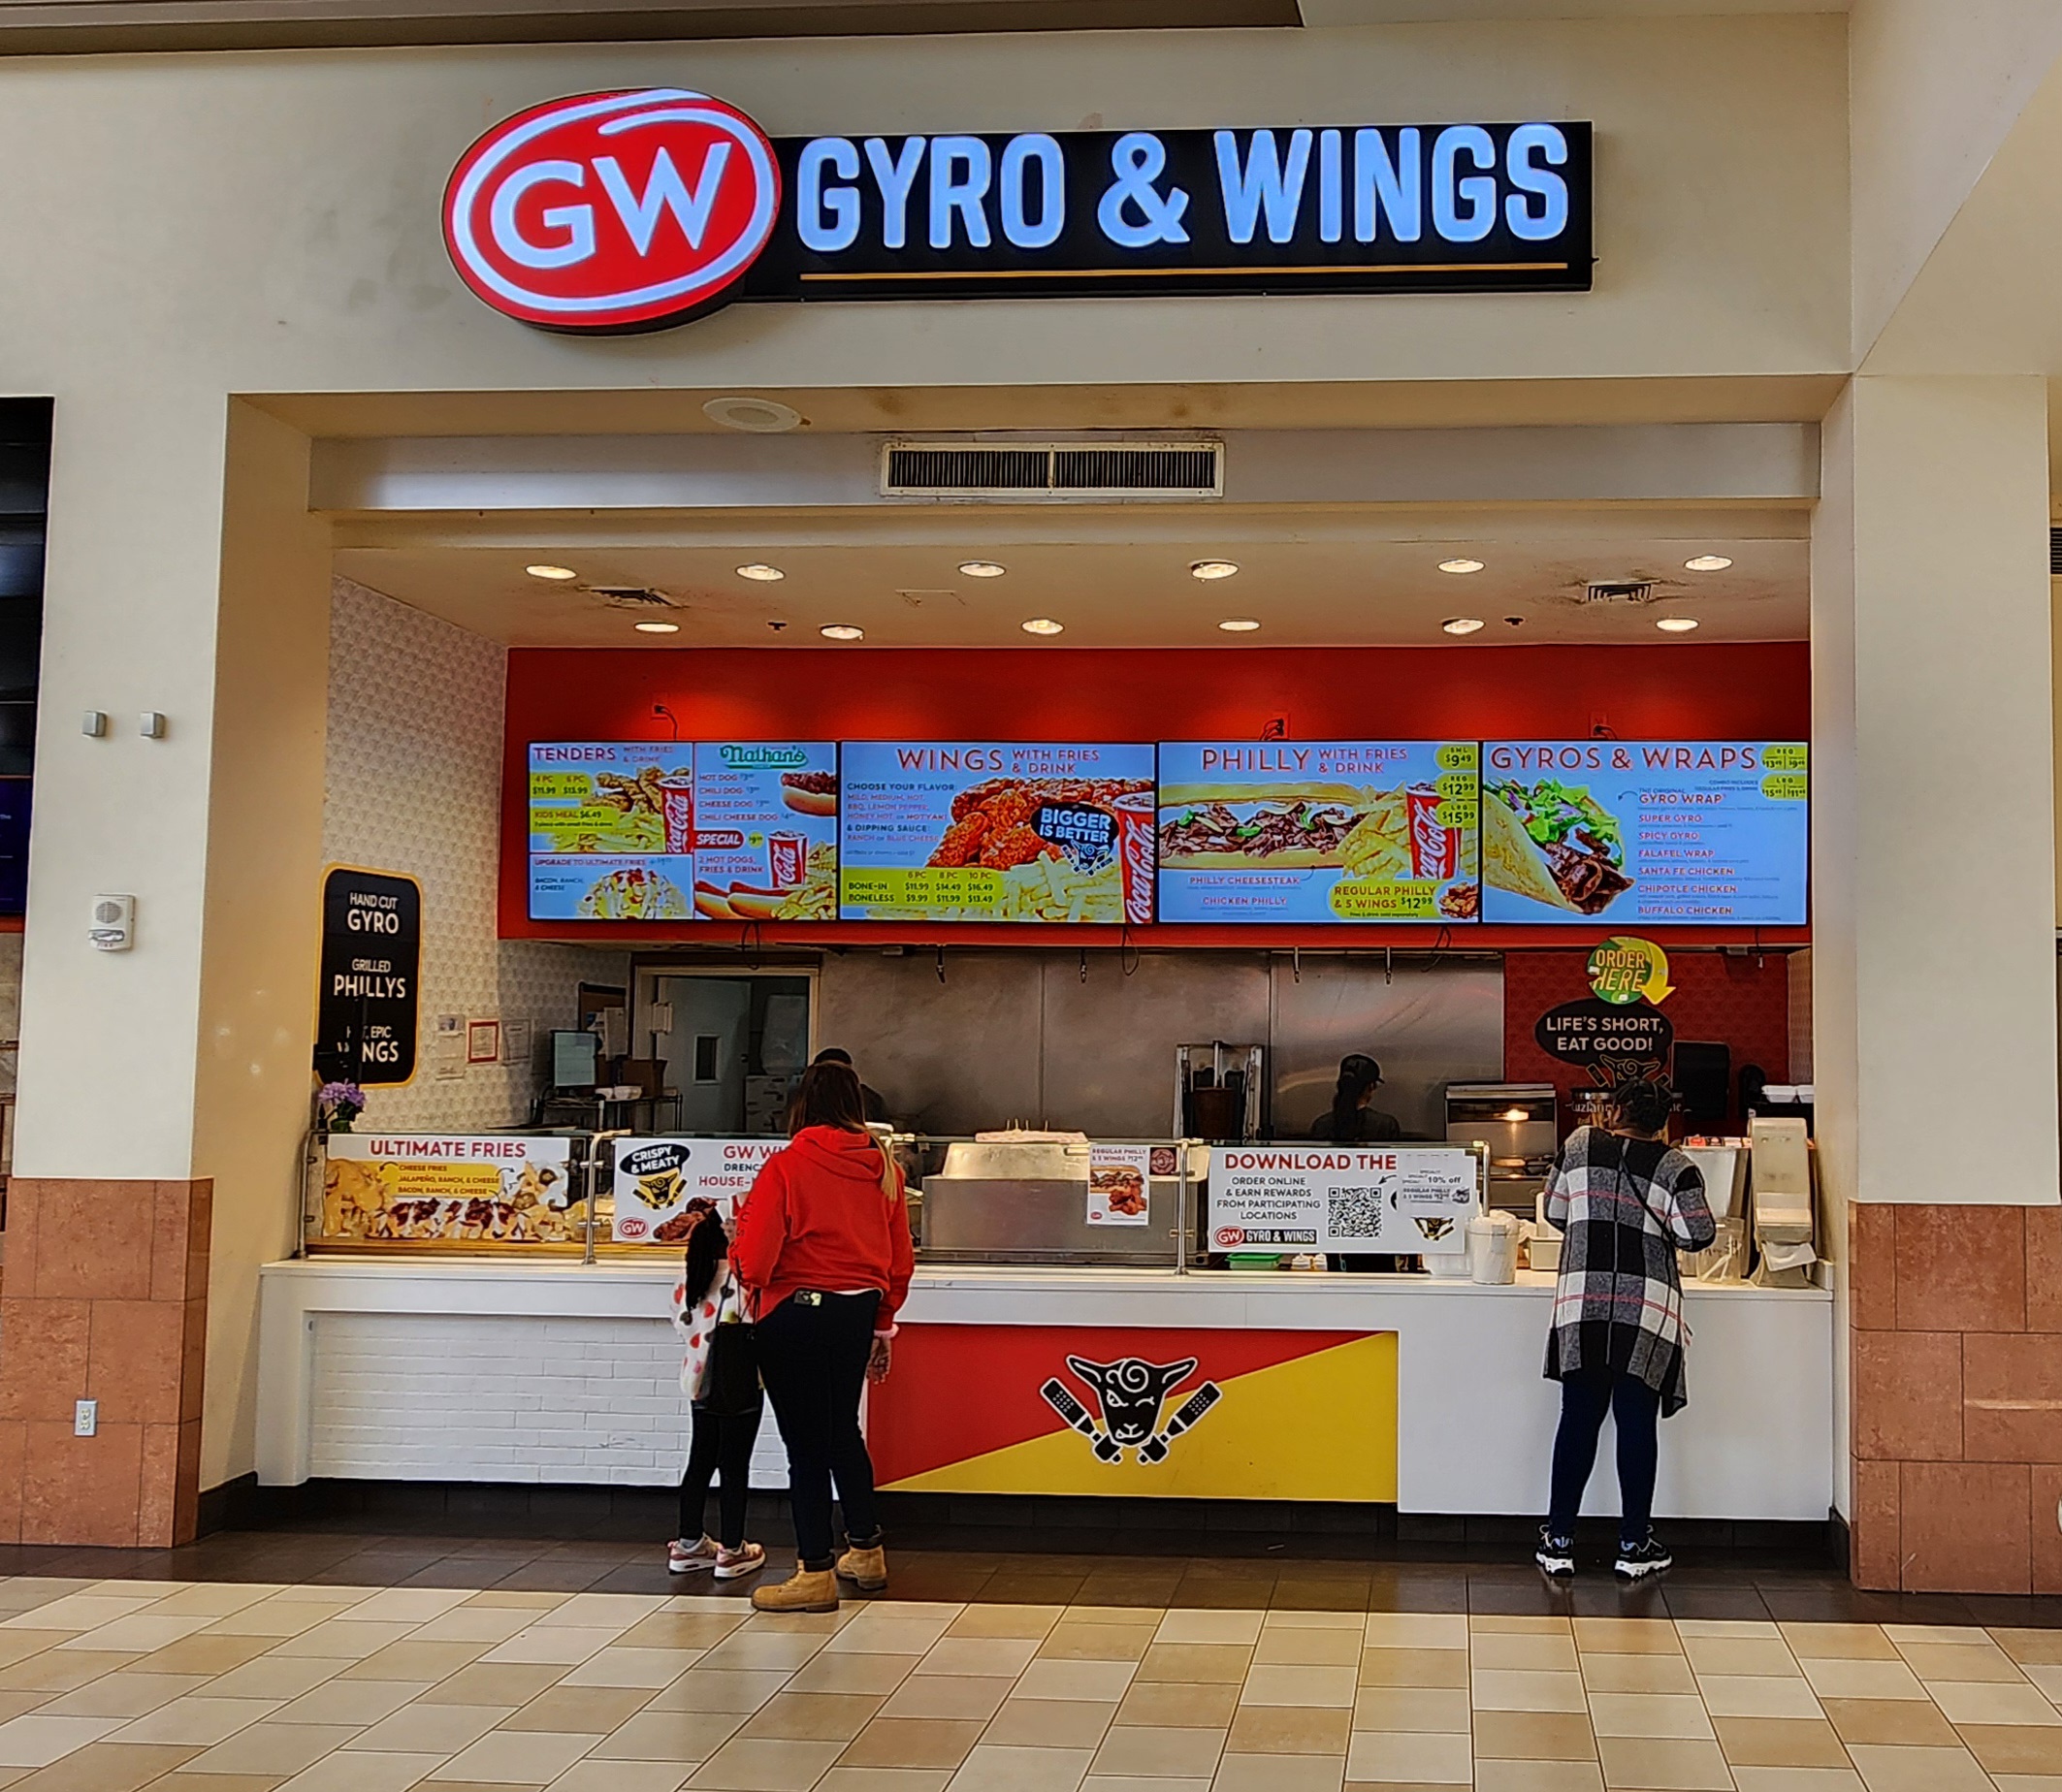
{"x": 824, "y": 1245}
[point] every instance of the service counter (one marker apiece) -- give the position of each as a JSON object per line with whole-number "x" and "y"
{"x": 1423, "y": 1391}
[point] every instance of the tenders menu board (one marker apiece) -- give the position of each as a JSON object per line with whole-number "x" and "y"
{"x": 1658, "y": 832}
{"x": 984, "y": 831}
{"x": 1318, "y": 831}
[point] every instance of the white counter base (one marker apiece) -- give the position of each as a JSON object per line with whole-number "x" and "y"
{"x": 497, "y": 1371}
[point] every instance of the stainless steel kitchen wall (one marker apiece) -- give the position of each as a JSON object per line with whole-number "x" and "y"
{"x": 1053, "y": 1039}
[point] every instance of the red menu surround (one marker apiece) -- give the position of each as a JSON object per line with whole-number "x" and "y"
{"x": 1678, "y": 691}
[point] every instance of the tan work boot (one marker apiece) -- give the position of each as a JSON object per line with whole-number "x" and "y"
{"x": 868, "y": 1568}
{"x": 805, "y": 1592}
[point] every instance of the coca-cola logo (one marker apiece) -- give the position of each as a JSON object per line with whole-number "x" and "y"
{"x": 612, "y": 211}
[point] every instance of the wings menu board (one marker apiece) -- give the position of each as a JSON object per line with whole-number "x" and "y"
{"x": 767, "y": 830}
{"x": 1659, "y": 832}
{"x": 1318, "y": 831}
{"x": 611, "y": 830}
{"x": 980, "y": 831}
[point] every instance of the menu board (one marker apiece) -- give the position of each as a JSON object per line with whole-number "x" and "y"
{"x": 767, "y": 830}
{"x": 664, "y": 1186}
{"x": 611, "y": 830}
{"x": 1318, "y": 831}
{"x": 1653, "y": 832}
{"x": 452, "y": 1187}
{"x": 981, "y": 831}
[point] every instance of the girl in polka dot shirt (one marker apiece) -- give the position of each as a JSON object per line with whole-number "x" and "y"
{"x": 706, "y": 1296}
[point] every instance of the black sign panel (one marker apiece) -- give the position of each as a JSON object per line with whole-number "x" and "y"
{"x": 1371, "y": 209}
{"x": 371, "y": 959}
{"x": 1616, "y": 1037}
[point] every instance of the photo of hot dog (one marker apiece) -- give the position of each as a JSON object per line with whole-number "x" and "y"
{"x": 712, "y": 904}
{"x": 810, "y": 793}
{"x": 752, "y": 905}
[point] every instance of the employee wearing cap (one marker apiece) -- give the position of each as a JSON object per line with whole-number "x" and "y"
{"x": 1353, "y": 1118}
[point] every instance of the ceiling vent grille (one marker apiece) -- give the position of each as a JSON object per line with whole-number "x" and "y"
{"x": 1619, "y": 590}
{"x": 2054, "y": 552}
{"x": 634, "y": 598}
{"x": 1046, "y": 471}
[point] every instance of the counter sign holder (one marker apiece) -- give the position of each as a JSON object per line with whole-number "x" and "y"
{"x": 366, "y": 1009}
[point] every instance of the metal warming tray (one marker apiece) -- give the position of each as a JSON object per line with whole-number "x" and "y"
{"x": 1026, "y": 1202}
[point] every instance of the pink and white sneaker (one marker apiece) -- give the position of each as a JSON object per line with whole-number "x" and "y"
{"x": 685, "y": 1557}
{"x": 735, "y": 1564}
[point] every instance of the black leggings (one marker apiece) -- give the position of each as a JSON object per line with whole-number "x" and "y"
{"x": 721, "y": 1451}
{"x": 812, "y": 1356}
{"x": 1586, "y": 1396}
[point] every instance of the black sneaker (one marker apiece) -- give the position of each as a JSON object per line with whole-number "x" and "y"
{"x": 1556, "y": 1555}
{"x": 1638, "y": 1560}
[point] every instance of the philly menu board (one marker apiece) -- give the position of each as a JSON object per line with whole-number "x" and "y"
{"x": 668, "y": 831}
{"x": 1656, "y": 832}
{"x": 1318, "y": 831}
{"x": 984, "y": 831}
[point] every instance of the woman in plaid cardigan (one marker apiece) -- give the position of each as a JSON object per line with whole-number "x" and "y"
{"x": 1628, "y": 1201}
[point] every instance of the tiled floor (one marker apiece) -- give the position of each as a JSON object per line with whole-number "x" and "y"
{"x": 245, "y": 1685}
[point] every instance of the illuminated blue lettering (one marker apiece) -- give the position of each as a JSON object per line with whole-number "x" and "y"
{"x": 1329, "y": 187}
{"x": 960, "y": 168}
{"x": 1546, "y": 142}
{"x": 1262, "y": 184}
{"x": 826, "y": 217}
{"x": 1016, "y": 224}
{"x": 1386, "y": 189}
{"x": 1477, "y": 192}
{"x": 894, "y": 178}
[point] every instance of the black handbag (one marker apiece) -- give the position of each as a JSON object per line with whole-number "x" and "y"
{"x": 731, "y": 1385}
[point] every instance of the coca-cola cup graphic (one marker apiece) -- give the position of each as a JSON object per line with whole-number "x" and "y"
{"x": 676, "y": 798}
{"x": 1135, "y": 852}
{"x": 1435, "y": 849}
{"x": 787, "y": 859}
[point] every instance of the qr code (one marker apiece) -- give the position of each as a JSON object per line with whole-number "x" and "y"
{"x": 1356, "y": 1213}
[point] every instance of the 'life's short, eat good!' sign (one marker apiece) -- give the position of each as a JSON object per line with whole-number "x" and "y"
{"x": 617, "y": 211}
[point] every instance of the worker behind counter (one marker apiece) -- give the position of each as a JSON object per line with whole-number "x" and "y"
{"x": 1353, "y": 1118}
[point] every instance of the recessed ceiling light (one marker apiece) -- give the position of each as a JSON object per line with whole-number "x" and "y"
{"x": 1238, "y": 624}
{"x": 982, "y": 569}
{"x": 556, "y": 573}
{"x": 1461, "y": 625}
{"x": 759, "y": 570}
{"x": 756, "y": 416}
{"x": 1707, "y": 563}
{"x": 1212, "y": 569}
{"x": 1675, "y": 625}
{"x": 658, "y": 627}
{"x": 842, "y": 631}
{"x": 1042, "y": 625}
{"x": 1460, "y": 565}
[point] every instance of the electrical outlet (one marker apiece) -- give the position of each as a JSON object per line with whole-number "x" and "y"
{"x": 85, "y": 1418}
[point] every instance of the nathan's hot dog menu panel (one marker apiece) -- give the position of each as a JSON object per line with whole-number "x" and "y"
{"x": 1307, "y": 831}
{"x": 767, "y": 830}
{"x": 673, "y": 831}
{"x": 996, "y": 831}
{"x": 1682, "y": 833}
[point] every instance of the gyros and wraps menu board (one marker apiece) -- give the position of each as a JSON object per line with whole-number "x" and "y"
{"x": 980, "y": 831}
{"x": 1656, "y": 832}
{"x": 611, "y": 830}
{"x": 451, "y": 1188}
{"x": 1401, "y": 1200}
{"x": 662, "y": 1186}
{"x": 767, "y": 830}
{"x": 1318, "y": 831}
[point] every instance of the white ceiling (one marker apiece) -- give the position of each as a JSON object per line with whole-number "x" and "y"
{"x": 1317, "y": 584}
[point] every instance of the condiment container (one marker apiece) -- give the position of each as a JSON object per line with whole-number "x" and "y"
{"x": 1493, "y": 1248}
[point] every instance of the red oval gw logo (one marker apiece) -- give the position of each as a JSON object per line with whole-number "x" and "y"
{"x": 613, "y": 211}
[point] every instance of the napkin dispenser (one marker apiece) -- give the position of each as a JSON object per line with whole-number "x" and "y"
{"x": 1779, "y": 1153}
